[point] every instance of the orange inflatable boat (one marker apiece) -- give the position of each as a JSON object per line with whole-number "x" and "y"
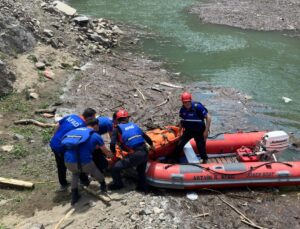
{"x": 235, "y": 159}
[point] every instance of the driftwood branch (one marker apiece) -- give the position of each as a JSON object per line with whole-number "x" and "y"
{"x": 50, "y": 111}
{"x": 16, "y": 183}
{"x": 201, "y": 215}
{"x": 252, "y": 225}
{"x": 156, "y": 89}
{"x": 171, "y": 85}
{"x": 163, "y": 103}
{"x": 244, "y": 218}
{"x": 34, "y": 122}
{"x": 104, "y": 199}
{"x": 141, "y": 93}
{"x": 66, "y": 216}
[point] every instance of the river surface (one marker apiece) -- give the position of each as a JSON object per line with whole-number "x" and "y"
{"x": 264, "y": 65}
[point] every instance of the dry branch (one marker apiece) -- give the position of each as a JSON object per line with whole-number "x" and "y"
{"x": 170, "y": 85}
{"x": 66, "y": 216}
{"x": 244, "y": 218}
{"x": 141, "y": 93}
{"x": 201, "y": 215}
{"x": 163, "y": 103}
{"x": 34, "y": 122}
{"x": 104, "y": 199}
{"x": 50, "y": 111}
{"x": 14, "y": 182}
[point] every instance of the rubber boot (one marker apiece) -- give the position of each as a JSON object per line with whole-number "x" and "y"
{"x": 75, "y": 196}
{"x": 103, "y": 186}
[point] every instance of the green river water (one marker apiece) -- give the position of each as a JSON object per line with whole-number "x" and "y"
{"x": 264, "y": 65}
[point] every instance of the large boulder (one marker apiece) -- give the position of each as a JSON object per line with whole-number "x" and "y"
{"x": 7, "y": 78}
{"x": 14, "y": 38}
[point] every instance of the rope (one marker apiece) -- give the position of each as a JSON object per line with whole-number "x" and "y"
{"x": 240, "y": 173}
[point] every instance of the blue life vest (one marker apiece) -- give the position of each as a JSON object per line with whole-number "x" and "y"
{"x": 74, "y": 138}
{"x": 193, "y": 119}
{"x": 66, "y": 124}
{"x": 132, "y": 135}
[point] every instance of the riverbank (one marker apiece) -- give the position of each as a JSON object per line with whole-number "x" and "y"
{"x": 264, "y": 15}
{"x": 85, "y": 74}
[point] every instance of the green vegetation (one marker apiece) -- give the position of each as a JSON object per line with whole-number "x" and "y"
{"x": 14, "y": 102}
{"x": 19, "y": 151}
{"x": 30, "y": 170}
{"x": 2, "y": 227}
{"x": 26, "y": 131}
{"x": 77, "y": 77}
{"x": 2, "y": 57}
{"x": 46, "y": 135}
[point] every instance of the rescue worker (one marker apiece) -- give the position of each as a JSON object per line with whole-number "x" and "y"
{"x": 81, "y": 143}
{"x": 66, "y": 124}
{"x": 105, "y": 127}
{"x": 195, "y": 124}
{"x": 132, "y": 139}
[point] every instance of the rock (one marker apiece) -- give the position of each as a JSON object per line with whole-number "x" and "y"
{"x": 117, "y": 30}
{"x": 142, "y": 204}
{"x": 100, "y": 39}
{"x": 40, "y": 65}
{"x": 134, "y": 217}
{"x": 64, "y": 8}
{"x": 82, "y": 20}
{"x": 33, "y": 95}
{"x": 14, "y": 37}
{"x": 32, "y": 58}
{"x": 162, "y": 217}
{"x": 18, "y": 137}
{"x": 48, "y": 74}
{"x": 157, "y": 210}
{"x": 7, "y": 148}
{"x": 36, "y": 226}
{"x": 124, "y": 202}
{"x": 54, "y": 43}
{"x": 76, "y": 68}
{"x": 145, "y": 212}
{"x": 7, "y": 78}
{"x": 48, "y": 32}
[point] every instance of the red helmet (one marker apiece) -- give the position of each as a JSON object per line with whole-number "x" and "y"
{"x": 122, "y": 114}
{"x": 186, "y": 97}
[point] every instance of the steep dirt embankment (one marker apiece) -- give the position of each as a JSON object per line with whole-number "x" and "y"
{"x": 251, "y": 14}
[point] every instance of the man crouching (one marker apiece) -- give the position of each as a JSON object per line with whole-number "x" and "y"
{"x": 80, "y": 144}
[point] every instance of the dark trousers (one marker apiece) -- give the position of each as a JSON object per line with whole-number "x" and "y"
{"x": 139, "y": 159}
{"x": 62, "y": 170}
{"x": 100, "y": 162}
{"x": 187, "y": 136}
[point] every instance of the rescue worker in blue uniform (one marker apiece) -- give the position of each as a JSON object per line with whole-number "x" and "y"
{"x": 195, "y": 124}
{"x": 132, "y": 139}
{"x": 78, "y": 157}
{"x": 66, "y": 124}
{"x": 105, "y": 127}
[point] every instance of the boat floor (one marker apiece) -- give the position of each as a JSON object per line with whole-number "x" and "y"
{"x": 223, "y": 160}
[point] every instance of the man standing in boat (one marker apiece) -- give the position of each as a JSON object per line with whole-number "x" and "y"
{"x": 195, "y": 124}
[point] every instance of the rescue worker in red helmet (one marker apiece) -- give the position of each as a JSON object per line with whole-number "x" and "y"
{"x": 195, "y": 123}
{"x": 132, "y": 139}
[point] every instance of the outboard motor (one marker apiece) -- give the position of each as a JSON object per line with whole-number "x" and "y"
{"x": 274, "y": 142}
